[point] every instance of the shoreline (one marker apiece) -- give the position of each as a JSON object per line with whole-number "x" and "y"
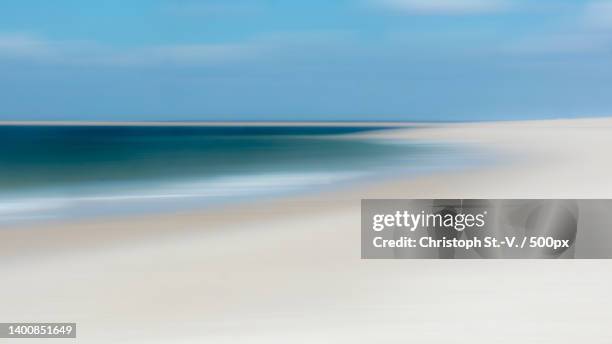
{"x": 519, "y": 158}
{"x": 95, "y": 199}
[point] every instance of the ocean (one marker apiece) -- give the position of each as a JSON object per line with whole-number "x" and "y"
{"x": 50, "y": 173}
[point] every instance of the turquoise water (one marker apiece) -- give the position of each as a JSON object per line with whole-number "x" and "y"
{"x": 59, "y": 172}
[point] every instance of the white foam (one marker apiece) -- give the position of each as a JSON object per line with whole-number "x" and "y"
{"x": 24, "y": 207}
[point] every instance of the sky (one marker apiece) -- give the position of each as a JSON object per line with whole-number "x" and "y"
{"x": 424, "y": 60}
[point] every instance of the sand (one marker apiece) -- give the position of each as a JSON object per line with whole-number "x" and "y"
{"x": 289, "y": 271}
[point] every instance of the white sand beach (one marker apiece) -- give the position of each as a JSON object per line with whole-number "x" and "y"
{"x": 289, "y": 270}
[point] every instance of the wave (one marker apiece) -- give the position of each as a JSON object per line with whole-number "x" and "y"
{"x": 169, "y": 195}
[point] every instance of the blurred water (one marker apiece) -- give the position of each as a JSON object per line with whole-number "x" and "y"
{"x": 58, "y": 172}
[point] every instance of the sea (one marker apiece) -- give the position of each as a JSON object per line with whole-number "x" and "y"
{"x": 55, "y": 173}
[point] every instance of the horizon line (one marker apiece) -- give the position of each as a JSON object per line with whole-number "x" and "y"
{"x": 186, "y": 123}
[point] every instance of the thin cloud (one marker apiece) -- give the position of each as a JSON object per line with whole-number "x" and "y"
{"x": 279, "y": 46}
{"x": 31, "y": 48}
{"x": 18, "y": 45}
{"x": 442, "y": 7}
{"x": 176, "y": 55}
{"x": 598, "y": 15}
{"x": 589, "y": 33}
{"x": 561, "y": 44}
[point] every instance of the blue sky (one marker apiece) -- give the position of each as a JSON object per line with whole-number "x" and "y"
{"x": 307, "y": 60}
